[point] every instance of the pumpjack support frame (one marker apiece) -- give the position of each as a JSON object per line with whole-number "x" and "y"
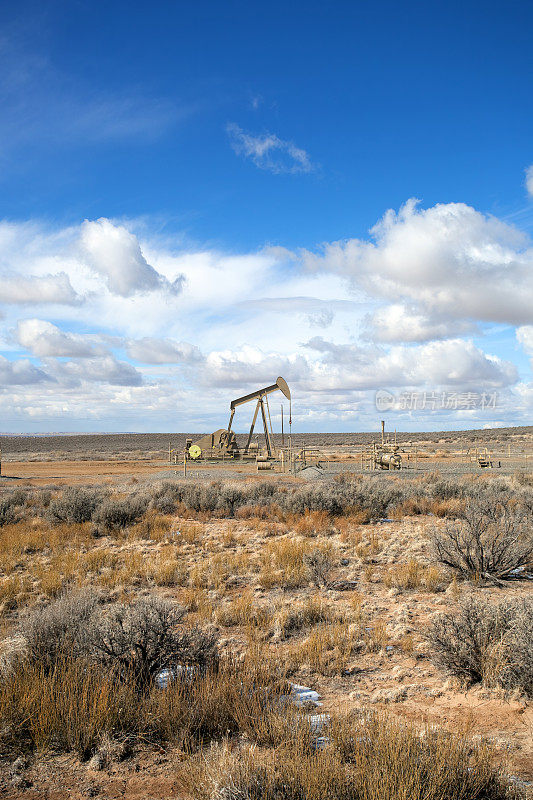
{"x": 224, "y": 442}
{"x": 262, "y": 401}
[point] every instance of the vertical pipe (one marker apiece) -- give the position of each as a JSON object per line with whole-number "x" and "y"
{"x": 290, "y": 425}
{"x": 282, "y": 433}
{"x": 382, "y": 431}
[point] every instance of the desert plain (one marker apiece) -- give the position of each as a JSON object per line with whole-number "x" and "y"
{"x": 332, "y": 578}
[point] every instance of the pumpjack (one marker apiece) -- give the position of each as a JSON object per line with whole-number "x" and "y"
{"x": 223, "y": 442}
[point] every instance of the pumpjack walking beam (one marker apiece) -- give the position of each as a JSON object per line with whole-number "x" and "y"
{"x": 261, "y": 396}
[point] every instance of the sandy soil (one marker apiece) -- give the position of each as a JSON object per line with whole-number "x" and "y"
{"x": 38, "y": 473}
{"x": 397, "y": 676}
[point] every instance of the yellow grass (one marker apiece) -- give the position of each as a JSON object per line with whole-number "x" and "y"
{"x": 282, "y": 562}
{"x": 242, "y": 610}
{"x": 327, "y": 649}
{"x": 413, "y": 575}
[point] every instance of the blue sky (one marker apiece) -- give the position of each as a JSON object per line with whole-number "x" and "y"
{"x": 188, "y": 201}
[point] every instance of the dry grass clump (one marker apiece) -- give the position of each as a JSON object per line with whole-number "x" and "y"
{"x": 295, "y": 618}
{"x": 57, "y": 572}
{"x": 414, "y": 575}
{"x": 367, "y": 547}
{"x": 129, "y": 570}
{"x": 236, "y": 699}
{"x": 292, "y": 563}
{"x": 14, "y": 591}
{"x": 327, "y": 649}
{"x": 310, "y": 523}
{"x": 68, "y": 708}
{"x": 36, "y": 536}
{"x": 348, "y": 527}
{"x": 153, "y": 526}
{"x": 372, "y": 758}
{"x": 167, "y": 568}
{"x": 190, "y": 532}
{"x": 76, "y": 706}
{"x": 242, "y": 611}
{"x": 258, "y": 512}
{"x": 196, "y": 601}
{"x": 213, "y": 572}
{"x": 100, "y": 558}
{"x": 376, "y": 636}
{"x": 422, "y": 505}
{"x": 50, "y": 581}
{"x": 491, "y": 643}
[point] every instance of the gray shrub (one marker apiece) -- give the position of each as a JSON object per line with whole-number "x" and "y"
{"x": 486, "y": 642}
{"x": 116, "y": 514}
{"x": 8, "y": 512}
{"x": 141, "y": 639}
{"x": 59, "y": 630}
{"x": 75, "y": 505}
{"x": 134, "y": 641}
{"x": 492, "y": 539}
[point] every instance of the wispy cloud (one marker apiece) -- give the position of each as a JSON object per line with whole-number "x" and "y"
{"x": 268, "y": 151}
{"x": 42, "y": 105}
{"x": 529, "y": 180}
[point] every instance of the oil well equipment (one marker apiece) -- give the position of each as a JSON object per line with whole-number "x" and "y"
{"x": 382, "y": 456}
{"x": 222, "y": 444}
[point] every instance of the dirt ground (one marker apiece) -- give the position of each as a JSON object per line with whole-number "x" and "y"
{"x": 395, "y": 673}
{"x": 66, "y": 473}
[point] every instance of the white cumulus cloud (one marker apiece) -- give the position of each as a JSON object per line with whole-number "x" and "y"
{"x": 45, "y": 339}
{"x": 115, "y": 254}
{"x": 150, "y": 350}
{"x": 399, "y": 323}
{"x": 448, "y": 260}
{"x": 105, "y": 369}
{"x": 250, "y": 365}
{"x": 453, "y": 362}
{"x": 21, "y": 289}
{"x": 20, "y": 373}
{"x": 524, "y": 336}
